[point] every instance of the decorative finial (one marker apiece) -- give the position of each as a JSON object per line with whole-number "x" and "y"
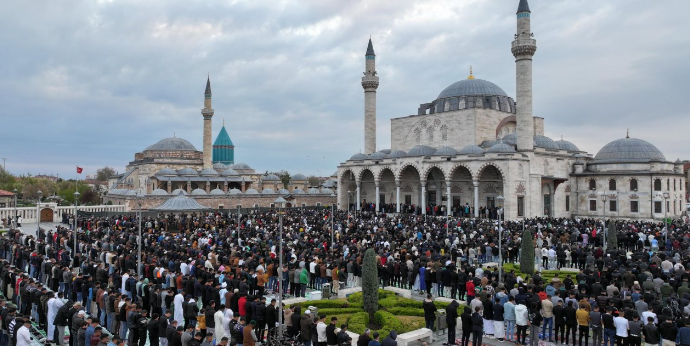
{"x": 223, "y": 121}
{"x": 174, "y": 135}
{"x": 561, "y": 137}
{"x": 627, "y": 134}
{"x": 471, "y": 75}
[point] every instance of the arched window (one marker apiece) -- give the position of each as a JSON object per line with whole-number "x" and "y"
{"x": 430, "y": 134}
{"x": 444, "y": 133}
{"x": 674, "y": 184}
{"x": 612, "y": 185}
{"x": 417, "y": 135}
{"x": 657, "y": 185}
{"x": 633, "y": 185}
{"x": 592, "y": 184}
{"x": 668, "y": 184}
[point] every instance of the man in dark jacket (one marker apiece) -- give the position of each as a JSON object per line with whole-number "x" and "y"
{"x": 163, "y": 328}
{"x": 343, "y": 337}
{"x": 154, "y": 330}
{"x": 61, "y": 321}
{"x": 429, "y": 311}
{"x": 364, "y": 338}
{"x": 390, "y": 339}
{"x": 331, "y": 336}
{"x": 305, "y": 323}
{"x": 176, "y": 339}
{"x": 271, "y": 316}
{"x": 452, "y": 320}
{"x": 260, "y": 318}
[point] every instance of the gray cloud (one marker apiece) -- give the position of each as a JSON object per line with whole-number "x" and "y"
{"x": 91, "y": 82}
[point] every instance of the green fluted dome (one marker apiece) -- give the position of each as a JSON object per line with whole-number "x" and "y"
{"x": 223, "y": 149}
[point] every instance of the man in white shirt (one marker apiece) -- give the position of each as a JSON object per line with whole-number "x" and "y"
{"x": 24, "y": 335}
{"x": 650, "y": 313}
{"x": 321, "y": 329}
{"x": 178, "y": 300}
{"x": 125, "y": 277}
{"x": 621, "y": 324}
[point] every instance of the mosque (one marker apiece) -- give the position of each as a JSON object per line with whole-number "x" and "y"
{"x": 173, "y": 166}
{"x": 476, "y": 146}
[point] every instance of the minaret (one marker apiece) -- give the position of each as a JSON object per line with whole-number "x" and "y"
{"x": 207, "y": 112}
{"x": 370, "y": 82}
{"x": 523, "y": 48}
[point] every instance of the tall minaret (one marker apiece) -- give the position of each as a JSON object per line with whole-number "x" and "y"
{"x": 207, "y": 112}
{"x": 523, "y": 49}
{"x": 370, "y": 82}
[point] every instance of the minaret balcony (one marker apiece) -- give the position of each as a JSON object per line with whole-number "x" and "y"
{"x": 370, "y": 82}
{"x": 524, "y": 46}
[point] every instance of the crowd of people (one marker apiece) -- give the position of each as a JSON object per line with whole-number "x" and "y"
{"x": 206, "y": 283}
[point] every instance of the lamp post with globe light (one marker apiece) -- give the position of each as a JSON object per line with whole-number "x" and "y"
{"x": 500, "y": 199}
{"x": 15, "y": 208}
{"x": 38, "y": 211}
{"x": 76, "y": 204}
{"x": 140, "y": 200}
{"x": 664, "y": 197}
{"x": 332, "y": 229}
{"x": 604, "y": 197}
{"x": 280, "y": 203}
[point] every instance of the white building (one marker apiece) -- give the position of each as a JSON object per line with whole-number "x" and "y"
{"x": 474, "y": 143}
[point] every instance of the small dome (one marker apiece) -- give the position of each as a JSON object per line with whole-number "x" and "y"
{"x": 229, "y": 173}
{"x": 377, "y": 156}
{"x": 472, "y": 150}
{"x": 298, "y": 191}
{"x": 385, "y": 151}
{"x": 629, "y": 150}
{"x": 358, "y": 157}
{"x": 421, "y": 150}
{"x": 545, "y": 142}
{"x": 510, "y": 138}
{"x": 208, "y": 172}
{"x": 472, "y": 87}
{"x": 299, "y": 177}
{"x": 159, "y": 192}
{"x": 251, "y": 192}
{"x": 166, "y": 172}
{"x": 217, "y": 192}
{"x": 199, "y": 192}
{"x": 240, "y": 166}
{"x": 446, "y": 151}
{"x": 172, "y": 143}
{"x": 326, "y": 191}
{"x": 268, "y": 192}
{"x": 270, "y": 177}
{"x": 501, "y": 148}
{"x": 488, "y": 144}
{"x": 219, "y": 166}
{"x": 178, "y": 191}
{"x": 235, "y": 192}
{"x": 187, "y": 171}
{"x": 313, "y": 191}
{"x": 396, "y": 154}
{"x": 329, "y": 183}
{"x": 568, "y": 146}
{"x": 130, "y": 193}
{"x": 283, "y": 192}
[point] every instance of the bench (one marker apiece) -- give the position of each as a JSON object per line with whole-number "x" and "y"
{"x": 415, "y": 337}
{"x": 345, "y": 292}
{"x": 399, "y": 291}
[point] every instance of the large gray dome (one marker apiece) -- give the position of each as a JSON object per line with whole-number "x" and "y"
{"x": 629, "y": 150}
{"x": 472, "y": 150}
{"x": 172, "y": 143}
{"x": 501, "y": 148}
{"x": 545, "y": 142}
{"x": 421, "y": 150}
{"x": 472, "y": 87}
{"x": 568, "y": 146}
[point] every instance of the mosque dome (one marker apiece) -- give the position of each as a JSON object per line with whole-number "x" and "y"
{"x": 229, "y": 172}
{"x": 377, "y": 156}
{"x": 251, "y": 192}
{"x": 172, "y": 143}
{"x": 501, "y": 148}
{"x": 629, "y": 150}
{"x": 178, "y": 191}
{"x": 396, "y": 154}
{"x": 358, "y": 157}
{"x": 240, "y": 166}
{"x": 326, "y": 191}
{"x": 329, "y": 183}
{"x": 510, "y": 138}
{"x": 166, "y": 171}
{"x": 313, "y": 191}
{"x": 472, "y": 87}
{"x": 472, "y": 150}
{"x": 187, "y": 171}
{"x": 385, "y": 151}
{"x": 235, "y": 192}
{"x": 283, "y": 192}
{"x": 568, "y": 146}
{"x": 159, "y": 192}
{"x": 216, "y": 192}
{"x": 271, "y": 177}
{"x": 299, "y": 177}
{"x": 446, "y": 151}
{"x": 298, "y": 191}
{"x": 199, "y": 192}
{"x": 208, "y": 172}
{"x": 545, "y": 142}
{"x": 219, "y": 166}
{"x": 268, "y": 192}
{"x": 421, "y": 150}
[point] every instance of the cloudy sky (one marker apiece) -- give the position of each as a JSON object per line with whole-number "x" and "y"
{"x": 90, "y": 82}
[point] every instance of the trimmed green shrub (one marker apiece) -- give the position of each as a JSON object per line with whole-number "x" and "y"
{"x": 337, "y": 311}
{"x": 370, "y": 283}
{"x": 612, "y": 236}
{"x": 400, "y": 311}
{"x": 527, "y": 253}
{"x": 388, "y": 322}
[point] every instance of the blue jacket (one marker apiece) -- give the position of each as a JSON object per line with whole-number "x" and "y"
{"x": 509, "y": 311}
{"x": 683, "y": 337}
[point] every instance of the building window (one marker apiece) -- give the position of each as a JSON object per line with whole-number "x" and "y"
{"x": 657, "y": 185}
{"x": 668, "y": 184}
{"x": 446, "y": 106}
{"x": 567, "y": 203}
{"x": 461, "y": 104}
{"x": 592, "y": 205}
{"x": 633, "y": 185}
{"x": 657, "y": 207}
{"x": 430, "y": 134}
{"x": 521, "y": 206}
{"x": 612, "y": 185}
{"x": 592, "y": 184}
{"x": 634, "y": 207}
{"x": 417, "y": 135}
{"x": 444, "y": 133}
{"x": 273, "y": 206}
{"x": 318, "y": 204}
{"x": 674, "y": 184}
{"x": 613, "y": 205}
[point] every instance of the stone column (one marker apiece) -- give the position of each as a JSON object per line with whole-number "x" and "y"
{"x": 448, "y": 199}
{"x": 189, "y": 187}
{"x": 359, "y": 183}
{"x": 169, "y": 183}
{"x": 397, "y": 196}
{"x": 423, "y": 203}
{"x": 476, "y": 198}
{"x": 208, "y": 186}
{"x": 378, "y": 198}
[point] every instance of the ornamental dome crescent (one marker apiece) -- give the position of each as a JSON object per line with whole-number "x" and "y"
{"x": 472, "y": 87}
{"x": 629, "y": 150}
{"x": 172, "y": 143}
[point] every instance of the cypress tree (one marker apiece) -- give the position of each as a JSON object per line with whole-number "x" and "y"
{"x": 370, "y": 283}
{"x": 527, "y": 253}
{"x": 612, "y": 236}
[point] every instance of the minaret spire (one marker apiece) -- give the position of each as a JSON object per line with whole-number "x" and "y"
{"x": 207, "y": 113}
{"x": 207, "y": 93}
{"x": 523, "y": 48}
{"x": 370, "y": 82}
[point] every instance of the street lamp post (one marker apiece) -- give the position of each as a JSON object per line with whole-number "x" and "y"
{"x": 238, "y": 225}
{"x": 15, "y": 208}
{"x": 500, "y": 199}
{"x": 664, "y": 197}
{"x": 349, "y": 194}
{"x": 604, "y": 197}
{"x": 38, "y": 212}
{"x": 76, "y": 203}
{"x": 332, "y": 229}
{"x": 280, "y": 202}
{"x": 140, "y": 199}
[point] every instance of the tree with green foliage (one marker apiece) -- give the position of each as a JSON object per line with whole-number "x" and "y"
{"x": 284, "y": 178}
{"x": 102, "y": 174}
{"x": 527, "y": 253}
{"x": 612, "y": 236}
{"x": 370, "y": 283}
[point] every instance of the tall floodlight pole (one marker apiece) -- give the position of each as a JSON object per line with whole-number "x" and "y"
{"x": 332, "y": 229}
{"x": 238, "y": 225}
{"x": 38, "y": 212}
{"x": 76, "y": 203}
{"x": 500, "y": 240}
{"x": 140, "y": 199}
{"x": 604, "y": 197}
{"x": 280, "y": 202}
{"x": 15, "y": 208}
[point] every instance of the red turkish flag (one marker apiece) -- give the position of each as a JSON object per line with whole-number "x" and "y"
{"x": 79, "y": 170}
